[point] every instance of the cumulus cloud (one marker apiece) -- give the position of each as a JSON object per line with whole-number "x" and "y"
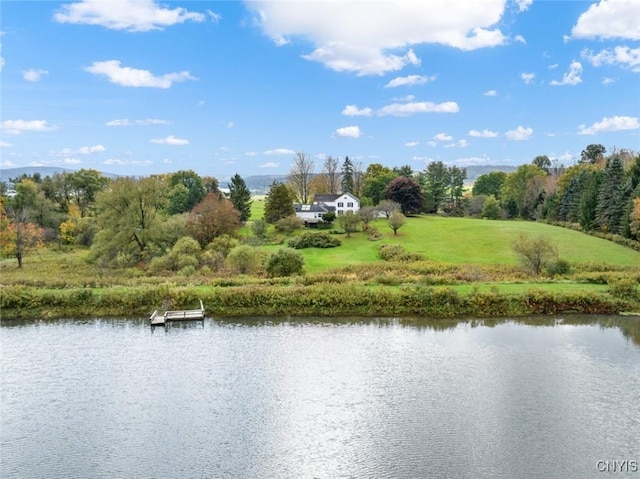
{"x": 519, "y": 134}
{"x": 490, "y": 93}
{"x": 34, "y": 75}
{"x": 170, "y": 140}
{"x": 270, "y": 164}
{"x": 5, "y": 144}
{"x": 134, "y": 77}
{"x": 483, "y": 134}
{"x": 349, "y": 132}
{"x": 353, "y": 110}
{"x": 127, "y": 122}
{"x": 523, "y": 4}
{"x": 85, "y": 150}
{"x": 527, "y": 77}
{"x": 572, "y": 77}
{"x": 373, "y": 38}
{"x": 279, "y": 151}
{"x": 622, "y": 56}
{"x": 614, "y": 123}
{"x": 15, "y": 127}
{"x": 442, "y": 137}
{"x": 129, "y": 15}
{"x": 410, "y": 81}
{"x": 405, "y": 109}
{"x": 609, "y": 19}
{"x": 411, "y": 144}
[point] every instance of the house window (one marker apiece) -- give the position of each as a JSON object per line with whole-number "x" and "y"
{"x": 350, "y": 205}
{"x": 341, "y": 205}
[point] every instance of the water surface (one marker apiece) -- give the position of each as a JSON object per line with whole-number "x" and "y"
{"x": 264, "y": 399}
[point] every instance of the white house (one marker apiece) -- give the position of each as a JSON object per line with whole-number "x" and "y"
{"x": 312, "y": 214}
{"x": 342, "y": 203}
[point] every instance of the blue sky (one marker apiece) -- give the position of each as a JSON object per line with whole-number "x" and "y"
{"x": 142, "y": 86}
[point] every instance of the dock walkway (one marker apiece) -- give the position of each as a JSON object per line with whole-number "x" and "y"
{"x": 163, "y": 319}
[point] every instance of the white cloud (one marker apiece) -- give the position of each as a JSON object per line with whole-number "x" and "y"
{"x": 523, "y": 4}
{"x": 170, "y": 140}
{"x": 71, "y": 161}
{"x": 134, "y": 77}
{"x": 553, "y": 67}
{"x": 490, "y": 93}
{"x": 34, "y": 75}
{"x": 270, "y": 164}
{"x": 614, "y": 123}
{"x": 621, "y": 55}
{"x": 130, "y": 15}
{"x": 5, "y": 144}
{"x": 608, "y": 81}
{"x": 609, "y": 19}
{"x": 411, "y": 144}
{"x": 6, "y": 164}
{"x": 353, "y": 110}
{"x": 85, "y": 150}
{"x": 251, "y": 153}
{"x": 405, "y": 109}
{"x": 15, "y": 127}
{"x": 118, "y": 161}
{"x": 527, "y": 77}
{"x": 410, "y": 81}
{"x": 572, "y": 77}
{"x": 483, "y": 134}
{"x": 442, "y": 137}
{"x": 280, "y": 151}
{"x": 519, "y": 134}
{"x": 349, "y": 132}
{"x": 127, "y": 122}
{"x": 372, "y": 38}
{"x": 520, "y": 39}
{"x": 462, "y": 143}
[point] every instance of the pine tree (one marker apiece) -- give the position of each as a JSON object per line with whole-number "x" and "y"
{"x": 279, "y": 203}
{"x": 610, "y": 206}
{"x": 240, "y": 196}
{"x": 347, "y": 176}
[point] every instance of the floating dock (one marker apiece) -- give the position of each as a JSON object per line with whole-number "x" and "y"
{"x": 163, "y": 319}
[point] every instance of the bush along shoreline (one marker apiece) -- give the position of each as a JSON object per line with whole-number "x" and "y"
{"x": 320, "y": 299}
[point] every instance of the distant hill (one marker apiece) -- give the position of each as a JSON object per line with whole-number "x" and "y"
{"x": 474, "y": 171}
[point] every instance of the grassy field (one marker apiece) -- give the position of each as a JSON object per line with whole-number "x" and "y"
{"x": 469, "y": 241}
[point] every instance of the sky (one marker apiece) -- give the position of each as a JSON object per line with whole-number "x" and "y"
{"x": 138, "y": 87}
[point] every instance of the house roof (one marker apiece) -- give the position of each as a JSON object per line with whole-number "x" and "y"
{"x": 331, "y": 198}
{"x": 314, "y": 208}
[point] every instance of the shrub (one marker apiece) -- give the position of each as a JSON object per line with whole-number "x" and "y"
{"x": 373, "y": 234}
{"x": 289, "y": 224}
{"x": 284, "y": 262}
{"x": 222, "y": 244}
{"x": 560, "y": 267}
{"x": 491, "y": 208}
{"x": 259, "y": 228}
{"x": 624, "y": 288}
{"x": 395, "y": 252}
{"x": 313, "y": 240}
{"x": 245, "y": 259}
{"x": 534, "y": 253}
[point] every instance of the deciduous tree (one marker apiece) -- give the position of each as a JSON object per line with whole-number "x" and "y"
{"x": 396, "y": 221}
{"x": 534, "y": 253}
{"x": 300, "y": 176}
{"x": 212, "y": 217}
{"x": 349, "y": 222}
{"x": 407, "y": 193}
{"x": 18, "y": 236}
{"x": 193, "y": 193}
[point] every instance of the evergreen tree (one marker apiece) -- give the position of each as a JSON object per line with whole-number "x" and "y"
{"x": 435, "y": 182}
{"x": 279, "y": 203}
{"x": 610, "y": 206}
{"x": 347, "y": 176}
{"x": 240, "y": 196}
{"x": 589, "y": 199}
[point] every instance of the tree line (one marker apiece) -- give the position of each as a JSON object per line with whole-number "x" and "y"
{"x": 128, "y": 221}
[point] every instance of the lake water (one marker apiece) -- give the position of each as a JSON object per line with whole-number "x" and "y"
{"x": 364, "y": 399}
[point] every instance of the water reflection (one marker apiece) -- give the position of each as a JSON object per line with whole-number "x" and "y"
{"x": 309, "y": 397}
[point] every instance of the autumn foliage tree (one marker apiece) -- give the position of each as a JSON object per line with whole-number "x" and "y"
{"x": 212, "y": 217}
{"x": 407, "y": 193}
{"x": 18, "y": 236}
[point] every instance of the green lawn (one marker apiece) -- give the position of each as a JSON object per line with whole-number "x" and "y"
{"x": 468, "y": 241}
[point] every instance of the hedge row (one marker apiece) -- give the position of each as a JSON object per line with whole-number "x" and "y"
{"x": 323, "y": 300}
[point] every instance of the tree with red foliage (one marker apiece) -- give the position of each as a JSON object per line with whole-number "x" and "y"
{"x": 212, "y": 217}
{"x": 407, "y": 193}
